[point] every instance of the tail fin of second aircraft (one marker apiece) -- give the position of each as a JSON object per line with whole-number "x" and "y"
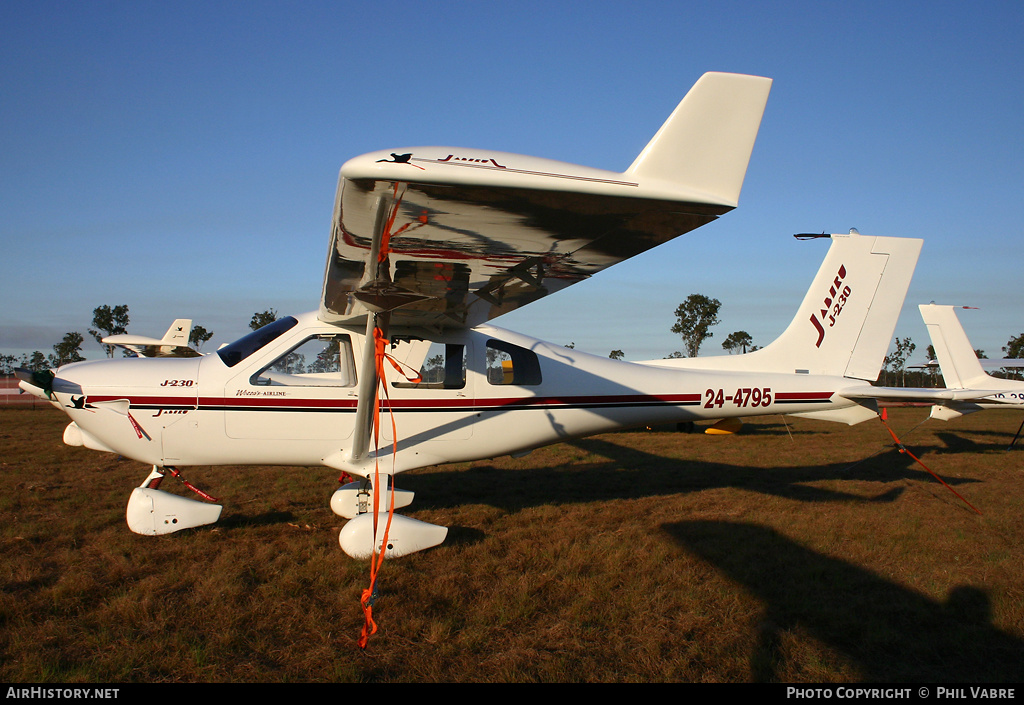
{"x": 178, "y": 333}
{"x": 957, "y": 359}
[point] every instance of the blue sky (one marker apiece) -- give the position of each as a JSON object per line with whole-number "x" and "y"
{"x": 182, "y": 158}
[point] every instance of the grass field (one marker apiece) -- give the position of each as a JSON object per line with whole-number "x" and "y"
{"x": 807, "y": 552}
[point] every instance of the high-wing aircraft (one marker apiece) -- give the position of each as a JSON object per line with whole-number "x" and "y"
{"x": 961, "y": 369}
{"x": 400, "y": 369}
{"x": 173, "y": 344}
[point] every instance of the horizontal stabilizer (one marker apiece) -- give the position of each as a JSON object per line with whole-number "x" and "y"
{"x": 173, "y": 344}
{"x": 851, "y": 415}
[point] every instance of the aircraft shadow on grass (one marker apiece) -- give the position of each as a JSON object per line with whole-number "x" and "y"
{"x": 890, "y": 632}
{"x": 630, "y": 473}
{"x": 622, "y": 472}
{"x": 995, "y": 442}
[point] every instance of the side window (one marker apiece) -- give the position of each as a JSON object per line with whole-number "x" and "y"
{"x": 321, "y": 361}
{"x": 511, "y": 364}
{"x": 443, "y": 367}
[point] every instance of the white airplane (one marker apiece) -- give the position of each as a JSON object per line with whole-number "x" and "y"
{"x": 962, "y": 370}
{"x": 430, "y": 243}
{"x": 173, "y": 344}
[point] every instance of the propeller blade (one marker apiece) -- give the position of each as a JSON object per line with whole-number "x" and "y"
{"x": 41, "y": 379}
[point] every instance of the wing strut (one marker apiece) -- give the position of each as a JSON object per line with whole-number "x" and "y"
{"x": 371, "y": 376}
{"x": 368, "y": 381}
{"x": 382, "y": 222}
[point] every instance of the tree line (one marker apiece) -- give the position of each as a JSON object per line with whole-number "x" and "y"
{"x": 694, "y": 319}
{"x": 106, "y": 320}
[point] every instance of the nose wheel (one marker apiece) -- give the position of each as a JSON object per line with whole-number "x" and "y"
{"x": 152, "y": 512}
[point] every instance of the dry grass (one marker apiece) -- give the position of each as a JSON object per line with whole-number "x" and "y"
{"x": 647, "y": 556}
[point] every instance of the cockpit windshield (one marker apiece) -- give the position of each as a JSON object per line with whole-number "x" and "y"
{"x": 244, "y": 347}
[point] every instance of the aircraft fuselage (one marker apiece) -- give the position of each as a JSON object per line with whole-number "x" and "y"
{"x": 484, "y": 392}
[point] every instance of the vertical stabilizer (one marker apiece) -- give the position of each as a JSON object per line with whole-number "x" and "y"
{"x": 846, "y": 321}
{"x": 178, "y": 333}
{"x": 957, "y": 359}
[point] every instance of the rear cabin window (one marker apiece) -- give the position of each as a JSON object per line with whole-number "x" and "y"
{"x": 443, "y": 367}
{"x": 511, "y": 364}
{"x": 320, "y": 361}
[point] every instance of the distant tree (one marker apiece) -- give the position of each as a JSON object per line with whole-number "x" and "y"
{"x": 7, "y": 365}
{"x": 68, "y": 350}
{"x": 929, "y": 356}
{"x": 616, "y": 354}
{"x": 198, "y": 336}
{"x": 571, "y": 345}
{"x": 35, "y": 362}
{"x": 261, "y": 319}
{"x": 980, "y": 354}
{"x": 740, "y": 339}
{"x": 1014, "y": 349}
{"x": 674, "y": 355}
{"x": 109, "y": 321}
{"x": 896, "y": 360}
{"x": 432, "y": 371}
{"x": 694, "y": 318}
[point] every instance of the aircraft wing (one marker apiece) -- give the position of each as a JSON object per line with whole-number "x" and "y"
{"x": 1005, "y": 363}
{"x": 173, "y": 344}
{"x": 148, "y": 347}
{"x": 450, "y": 237}
{"x": 911, "y": 394}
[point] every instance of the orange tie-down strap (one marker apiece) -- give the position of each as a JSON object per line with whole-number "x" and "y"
{"x": 385, "y": 240}
{"x": 903, "y": 449}
{"x": 369, "y": 595}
